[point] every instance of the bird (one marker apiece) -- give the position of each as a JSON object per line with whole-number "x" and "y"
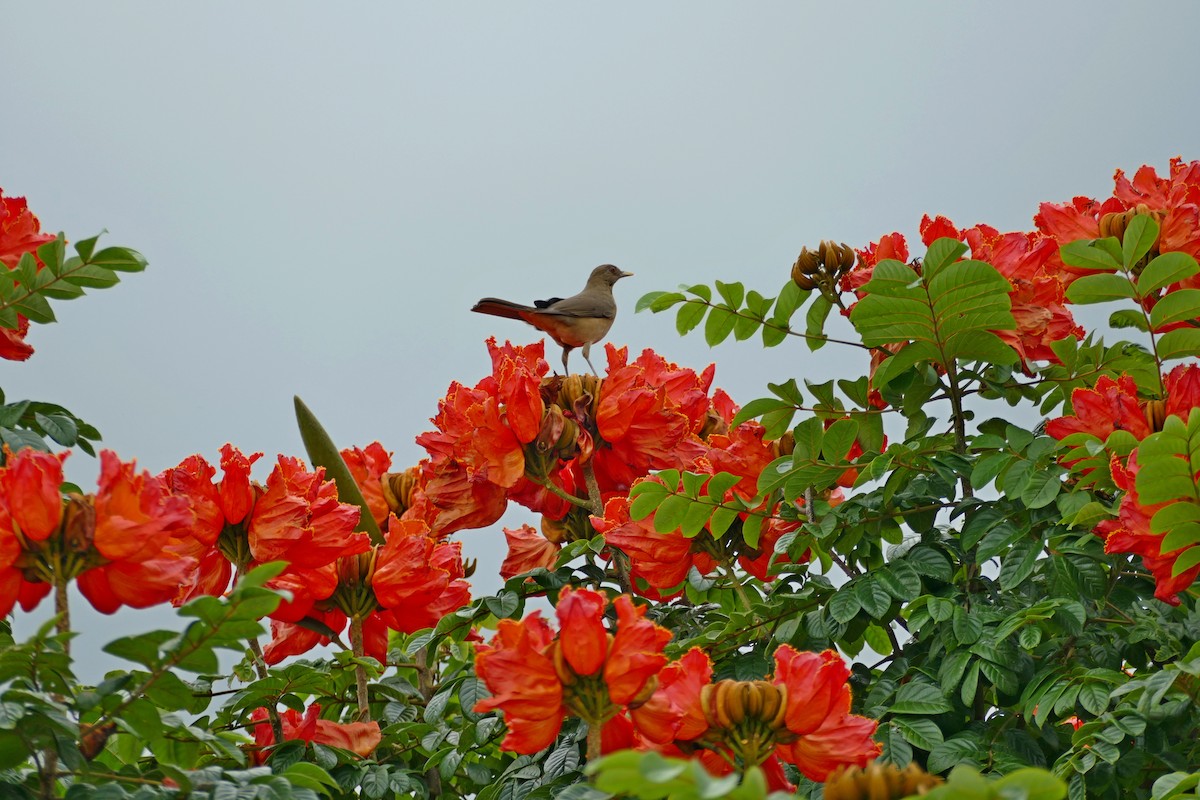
{"x": 577, "y": 321}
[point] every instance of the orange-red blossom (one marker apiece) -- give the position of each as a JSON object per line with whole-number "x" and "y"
{"x": 360, "y": 738}
{"x": 800, "y": 715}
{"x": 536, "y": 678}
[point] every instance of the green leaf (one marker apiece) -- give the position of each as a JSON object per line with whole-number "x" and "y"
{"x": 121, "y": 259}
{"x": 1103, "y": 287}
{"x": 945, "y": 314}
{"x": 1139, "y": 237}
{"x": 1182, "y": 305}
{"x": 689, "y": 316}
{"x": 719, "y": 325}
{"x": 659, "y": 301}
{"x": 1180, "y": 343}
{"x": 1166, "y": 269}
{"x": 844, "y": 605}
{"x": 1030, "y": 784}
{"x": 324, "y": 453}
{"x": 814, "y": 323}
{"x": 922, "y": 733}
{"x": 1128, "y": 318}
{"x": 920, "y": 698}
{"x": 873, "y": 598}
{"x": 1088, "y": 255}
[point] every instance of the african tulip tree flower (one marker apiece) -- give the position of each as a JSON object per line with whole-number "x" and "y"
{"x": 360, "y": 738}
{"x": 801, "y": 715}
{"x": 406, "y": 584}
{"x": 296, "y": 517}
{"x": 536, "y": 678}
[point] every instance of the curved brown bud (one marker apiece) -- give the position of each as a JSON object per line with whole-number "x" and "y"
{"x": 79, "y": 523}
{"x": 398, "y": 489}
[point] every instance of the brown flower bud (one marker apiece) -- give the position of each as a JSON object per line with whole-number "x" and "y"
{"x": 398, "y": 489}
{"x": 878, "y": 781}
{"x": 784, "y": 446}
{"x": 1156, "y": 413}
{"x": 357, "y": 570}
{"x": 555, "y": 530}
{"x": 713, "y": 424}
{"x": 578, "y": 395}
{"x": 79, "y": 523}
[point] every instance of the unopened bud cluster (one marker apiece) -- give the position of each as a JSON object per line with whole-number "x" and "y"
{"x": 821, "y": 268}
{"x": 878, "y": 781}
{"x": 1116, "y": 223}
{"x": 748, "y": 717}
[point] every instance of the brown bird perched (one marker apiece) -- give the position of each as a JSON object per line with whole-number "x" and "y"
{"x": 578, "y": 321}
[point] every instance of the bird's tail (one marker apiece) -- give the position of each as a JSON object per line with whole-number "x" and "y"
{"x": 501, "y": 308}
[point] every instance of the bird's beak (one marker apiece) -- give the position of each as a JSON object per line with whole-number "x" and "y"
{"x": 626, "y": 274}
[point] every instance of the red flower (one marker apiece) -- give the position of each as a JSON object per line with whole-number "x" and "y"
{"x": 30, "y": 486}
{"x": 527, "y": 550}
{"x": 360, "y": 738}
{"x": 536, "y": 679}
{"x": 1182, "y": 386}
{"x": 523, "y": 683}
{"x": 1130, "y": 533}
{"x": 516, "y": 380}
{"x": 368, "y": 466}
{"x": 417, "y": 579}
{"x": 298, "y": 519}
{"x": 1112, "y": 405}
{"x": 137, "y": 523}
{"x": 649, "y": 415}
{"x": 892, "y": 246}
{"x": 659, "y": 562}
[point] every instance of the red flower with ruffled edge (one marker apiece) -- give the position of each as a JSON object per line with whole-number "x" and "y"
{"x": 360, "y": 738}
{"x": 516, "y": 380}
{"x": 536, "y": 679}
{"x": 527, "y": 550}
{"x": 523, "y": 682}
{"x": 20, "y": 233}
{"x": 659, "y": 562}
{"x": 31, "y": 510}
{"x": 1109, "y": 406}
{"x": 649, "y": 414}
{"x": 818, "y": 713}
{"x": 137, "y": 521}
{"x": 891, "y": 246}
{"x": 1130, "y": 533}
{"x": 367, "y": 466}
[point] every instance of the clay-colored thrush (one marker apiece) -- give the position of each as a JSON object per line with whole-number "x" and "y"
{"x": 578, "y": 321}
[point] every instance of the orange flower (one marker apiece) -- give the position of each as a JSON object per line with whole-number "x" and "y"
{"x": 516, "y": 380}
{"x": 523, "y": 683}
{"x": 649, "y": 415}
{"x": 801, "y": 716}
{"x": 536, "y": 679}
{"x": 360, "y": 738}
{"x": 1110, "y": 406}
{"x": 659, "y": 562}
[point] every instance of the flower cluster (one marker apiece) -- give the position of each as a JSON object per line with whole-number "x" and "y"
{"x": 571, "y": 447}
{"x": 129, "y": 543}
{"x": 621, "y": 684}
{"x": 334, "y": 573}
{"x": 358, "y": 737}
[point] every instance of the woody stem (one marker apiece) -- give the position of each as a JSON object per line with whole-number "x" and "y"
{"x": 593, "y": 741}
{"x": 260, "y": 669}
{"x": 620, "y": 560}
{"x": 360, "y": 672}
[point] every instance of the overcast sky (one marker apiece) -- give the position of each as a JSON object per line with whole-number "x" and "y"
{"x": 323, "y": 190}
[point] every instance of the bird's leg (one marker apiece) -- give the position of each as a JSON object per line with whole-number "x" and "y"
{"x": 586, "y": 357}
{"x": 566, "y": 352}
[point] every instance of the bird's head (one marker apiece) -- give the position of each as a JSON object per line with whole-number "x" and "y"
{"x": 607, "y": 275}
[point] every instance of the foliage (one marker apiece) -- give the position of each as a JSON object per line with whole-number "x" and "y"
{"x": 978, "y": 554}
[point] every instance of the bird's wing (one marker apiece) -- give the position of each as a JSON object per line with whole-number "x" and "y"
{"x": 584, "y": 304}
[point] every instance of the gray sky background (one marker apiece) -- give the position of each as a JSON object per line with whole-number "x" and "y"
{"x": 323, "y": 190}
